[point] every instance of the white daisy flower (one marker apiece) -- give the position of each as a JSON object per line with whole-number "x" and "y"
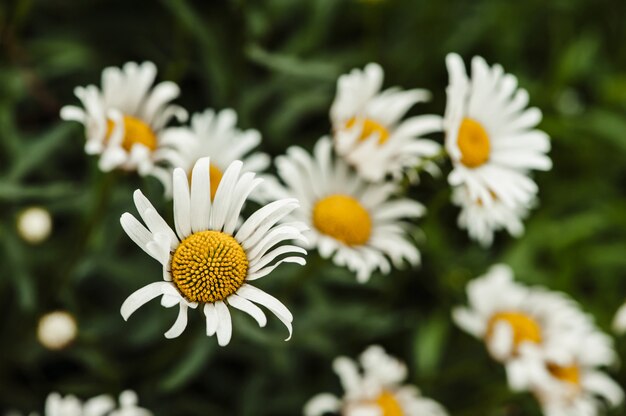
{"x": 124, "y": 121}
{"x": 57, "y": 405}
{"x": 619, "y": 321}
{"x": 358, "y": 224}
{"x": 517, "y": 321}
{"x": 481, "y": 220}
{"x": 490, "y": 134}
{"x": 210, "y": 259}
{"x": 369, "y": 131}
{"x": 56, "y": 330}
{"x": 34, "y": 224}
{"x": 214, "y": 135}
{"x": 376, "y": 391}
{"x": 573, "y": 386}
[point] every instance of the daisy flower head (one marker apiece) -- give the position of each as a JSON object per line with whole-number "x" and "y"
{"x": 359, "y": 224}
{"x": 482, "y": 220}
{"x": 212, "y": 134}
{"x": 370, "y": 132}
{"x": 490, "y": 134}
{"x": 124, "y": 120}
{"x": 377, "y": 390}
{"x": 210, "y": 259}
{"x": 516, "y": 321}
{"x": 57, "y": 405}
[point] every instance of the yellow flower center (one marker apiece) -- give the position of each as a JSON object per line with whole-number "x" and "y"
{"x": 389, "y": 405}
{"x": 136, "y": 131}
{"x": 370, "y": 127}
{"x": 473, "y": 142}
{"x": 525, "y": 328}
{"x": 343, "y": 218}
{"x": 209, "y": 266}
{"x": 569, "y": 374}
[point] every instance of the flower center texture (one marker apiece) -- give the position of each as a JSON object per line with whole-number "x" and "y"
{"x": 209, "y": 266}
{"x": 525, "y": 328}
{"x": 569, "y": 374}
{"x": 473, "y": 142}
{"x": 389, "y": 405}
{"x": 370, "y": 127}
{"x": 343, "y": 218}
{"x": 136, "y": 131}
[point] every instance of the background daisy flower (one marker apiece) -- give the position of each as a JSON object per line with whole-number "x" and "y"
{"x": 210, "y": 259}
{"x": 359, "y": 224}
{"x": 123, "y": 121}
{"x": 214, "y": 135}
{"x": 482, "y": 220}
{"x": 369, "y": 131}
{"x": 490, "y": 134}
{"x": 377, "y": 390}
{"x": 517, "y": 321}
{"x": 57, "y": 405}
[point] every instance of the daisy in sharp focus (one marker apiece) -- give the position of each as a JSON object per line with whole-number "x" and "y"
{"x": 490, "y": 134}
{"x": 376, "y": 391}
{"x": 57, "y": 405}
{"x": 359, "y": 224}
{"x": 214, "y": 135}
{"x": 369, "y": 131}
{"x": 482, "y": 221}
{"x": 516, "y": 321}
{"x": 210, "y": 259}
{"x": 124, "y": 121}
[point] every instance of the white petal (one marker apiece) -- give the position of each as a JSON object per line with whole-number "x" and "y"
{"x": 140, "y": 297}
{"x": 250, "y": 308}
{"x": 322, "y": 404}
{"x": 200, "y": 195}
{"x": 224, "y": 326}
{"x": 182, "y": 202}
{"x": 211, "y": 319}
{"x": 136, "y": 231}
{"x": 258, "y": 296}
{"x": 180, "y": 324}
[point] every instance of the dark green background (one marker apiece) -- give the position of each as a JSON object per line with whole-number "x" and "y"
{"x": 276, "y": 63}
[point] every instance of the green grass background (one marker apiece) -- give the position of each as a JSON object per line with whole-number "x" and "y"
{"x": 276, "y": 63}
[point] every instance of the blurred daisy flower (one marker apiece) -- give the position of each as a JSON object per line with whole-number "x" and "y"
{"x": 516, "y": 321}
{"x": 359, "y": 224}
{"x": 210, "y": 134}
{"x": 491, "y": 136}
{"x": 56, "y": 330}
{"x": 482, "y": 221}
{"x": 210, "y": 259}
{"x": 376, "y": 391}
{"x": 369, "y": 130}
{"x": 124, "y": 121}
{"x": 34, "y": 225}
{"x": 57, "y": 405}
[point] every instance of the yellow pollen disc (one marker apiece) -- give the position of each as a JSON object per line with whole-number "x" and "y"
{"x": 569, "y": 374}
{"x": 370, "y": 127}
{"x": 525, "y": 328}
{"x": 209, "y": 266}
{"x": 216, "y": 176}
{"x": 136, "y": 131}
{"x": 473, "y": 142}
{"x": 343, "y": 218}
{"x": 389, "y": 405}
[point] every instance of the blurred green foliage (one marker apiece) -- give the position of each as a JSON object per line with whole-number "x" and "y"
{"x": 276, "y": 63}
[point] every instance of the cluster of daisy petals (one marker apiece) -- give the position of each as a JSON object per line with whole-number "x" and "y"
{"x": 346, "y": 199}
{"x": 546, "y": 343}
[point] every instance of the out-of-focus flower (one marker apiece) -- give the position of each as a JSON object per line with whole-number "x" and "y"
{"x": 359, "y": 224}
{"x": 215, "y": 135}
{"x": 376, "y": 391}
{"x": 490, "y": 135}
{"x": 515, "y": 320}
{"x": 210, "y": 258}
{"x": 482, "y": 221}
{"x": 34, "y": 224}
{"x": 57, "y": 405}
{"x": 56, "y": 330}
{"x": 369, "y": 131}
{"x": 619, "y": 322}
{"x": 124, "y": 121}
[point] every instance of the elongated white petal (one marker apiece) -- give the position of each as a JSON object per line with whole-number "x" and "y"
{"x": 141, "y": 297}
{"x": 200, "y": 195}
{"x": 180, "y": 324}
{"x": 258, "y": 296}
{"x": 224, "y": 195}
{"x": 136, "y": 231}
{"x": 248, "y": 307}
{"x": 212, "y": 319}
{"x": 224, "y": 325}
{"x": 181, "y": 204}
